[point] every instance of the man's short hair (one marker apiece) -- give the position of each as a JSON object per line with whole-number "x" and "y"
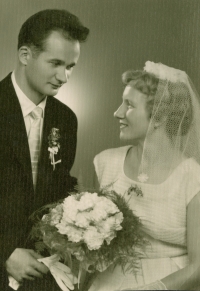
{"x": 39, "y": 26}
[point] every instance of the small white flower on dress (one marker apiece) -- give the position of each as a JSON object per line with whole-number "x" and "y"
{"x": 143, "y": 177}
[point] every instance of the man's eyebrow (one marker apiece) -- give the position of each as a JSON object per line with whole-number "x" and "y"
{"x": 56, "y": 60}
{"x": 71, "y": 65}
{"x": 62, "y": 62}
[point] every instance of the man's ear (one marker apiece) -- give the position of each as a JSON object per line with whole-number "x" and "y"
{"x": 24, "y": 54}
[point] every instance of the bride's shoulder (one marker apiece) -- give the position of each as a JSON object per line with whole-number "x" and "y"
{"x": 109, "y": 163}
{"x": 111, "y": 154}
{"x": 192, "y": 167}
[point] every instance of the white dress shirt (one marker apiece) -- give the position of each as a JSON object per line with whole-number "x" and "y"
{"x": 28, "y": 106}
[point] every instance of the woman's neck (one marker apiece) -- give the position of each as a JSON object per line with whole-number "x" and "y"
{"x": 156, "y": 159}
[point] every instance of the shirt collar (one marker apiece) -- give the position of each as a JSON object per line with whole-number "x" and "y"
{"x": 26, "y": 104}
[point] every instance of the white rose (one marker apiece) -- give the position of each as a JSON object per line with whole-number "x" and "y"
{"x": 110, "y": 238}
{"x": 118, "y": 220}
{"x": 62, "y": 227}
{"x": 111, "y": 208}
{"x": 87, "y": 201}
{"x": 70, "y": 208}
{"x": 45, "y": 218}
{"x": 74, "y": 234}
{"x": 83, "y": 219}
{"x": 98, "y": 213}
{"x": 66, "y": 219}
{"x": 56, "y": 214}
{"x": 93, "y": 238}
{"x": 106, "y": 226}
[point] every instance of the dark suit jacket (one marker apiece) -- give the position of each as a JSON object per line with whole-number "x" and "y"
{"x": 17, "y": 197}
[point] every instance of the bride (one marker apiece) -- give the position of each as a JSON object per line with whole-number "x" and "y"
{"x": 158, "y": 172}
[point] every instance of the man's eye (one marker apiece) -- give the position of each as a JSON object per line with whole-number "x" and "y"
{"x": 69, "y": 68}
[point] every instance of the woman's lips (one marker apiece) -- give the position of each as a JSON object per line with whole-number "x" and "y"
{"x": 123, "y": 125}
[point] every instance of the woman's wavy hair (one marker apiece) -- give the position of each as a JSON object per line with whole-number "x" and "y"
{"x": 175, "y": 108}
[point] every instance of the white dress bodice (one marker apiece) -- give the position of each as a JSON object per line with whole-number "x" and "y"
{"x": 162, "y": 210}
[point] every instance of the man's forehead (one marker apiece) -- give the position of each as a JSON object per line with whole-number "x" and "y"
{"x": 56, "y": 36}
{"x": 62, "y": 49}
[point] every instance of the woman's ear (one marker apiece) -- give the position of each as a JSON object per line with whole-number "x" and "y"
{"x": 159, "y": 123}
{"x": 24, "y": 54}
{"x": 156, "y": 125}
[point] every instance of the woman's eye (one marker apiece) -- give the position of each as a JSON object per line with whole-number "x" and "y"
{"x": 130, "y": 106}
{"x": 55, "y": 64}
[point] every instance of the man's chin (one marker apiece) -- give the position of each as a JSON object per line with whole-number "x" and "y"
{"x": 52, "y": 92}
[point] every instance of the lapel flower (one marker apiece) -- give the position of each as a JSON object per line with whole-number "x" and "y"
{"x": 54, "y": 146}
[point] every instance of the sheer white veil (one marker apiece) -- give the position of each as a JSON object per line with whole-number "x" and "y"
{"x": 173, "y": 134}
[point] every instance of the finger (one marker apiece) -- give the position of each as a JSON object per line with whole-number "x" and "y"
{"x": 35, "y": 255}
{"x": 20, "y": 281}
{"x": 28, "y": 277}
{"x": 40, "y": 267}
{"x": 34, "y": 273}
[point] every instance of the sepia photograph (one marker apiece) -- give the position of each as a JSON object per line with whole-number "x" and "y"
{"x": 99, "y": 145}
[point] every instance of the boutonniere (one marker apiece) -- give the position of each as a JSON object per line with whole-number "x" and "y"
{"x": 54, "y": 146}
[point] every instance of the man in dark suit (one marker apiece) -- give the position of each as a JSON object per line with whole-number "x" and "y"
{"x": 35, "y": 167}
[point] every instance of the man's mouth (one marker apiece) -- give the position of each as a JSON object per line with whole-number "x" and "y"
{"x": 55, "y": 86}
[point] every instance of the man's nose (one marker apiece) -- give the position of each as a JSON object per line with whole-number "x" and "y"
{"x": 61, "y": 76}
{"x": 120, "y": 112}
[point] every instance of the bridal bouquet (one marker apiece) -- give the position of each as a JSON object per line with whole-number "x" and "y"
{"x": 89, "y": 232}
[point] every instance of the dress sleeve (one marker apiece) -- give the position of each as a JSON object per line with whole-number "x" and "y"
{"x": 101, "y": 164}
{"x": 108, "y": 165}
{"x": 192, "y": 180}
{"x": 96, "y": 166}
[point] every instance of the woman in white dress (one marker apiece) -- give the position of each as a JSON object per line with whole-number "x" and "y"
{"x": 159, "y": 174}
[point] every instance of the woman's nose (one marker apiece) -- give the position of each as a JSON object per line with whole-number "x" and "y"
{"x": 120, "y": 112}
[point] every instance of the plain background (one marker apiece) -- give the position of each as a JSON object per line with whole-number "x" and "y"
{"x": 123, "y": 35}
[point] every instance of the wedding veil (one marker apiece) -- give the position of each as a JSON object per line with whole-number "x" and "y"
{"x": 173, "y": 134}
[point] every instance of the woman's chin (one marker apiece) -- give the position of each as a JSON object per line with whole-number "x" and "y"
{"x": 129, "y": 140}
{"x": 125, "y": 139}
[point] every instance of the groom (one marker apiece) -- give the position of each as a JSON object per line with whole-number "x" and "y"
{"x": 37, "y": 135}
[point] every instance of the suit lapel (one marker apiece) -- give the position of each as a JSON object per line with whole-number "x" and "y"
{"x": 16, "y": 130}
{"x": 49, "y": 123}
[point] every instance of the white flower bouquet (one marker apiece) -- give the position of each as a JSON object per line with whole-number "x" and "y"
{"x": 91, "y": 231}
